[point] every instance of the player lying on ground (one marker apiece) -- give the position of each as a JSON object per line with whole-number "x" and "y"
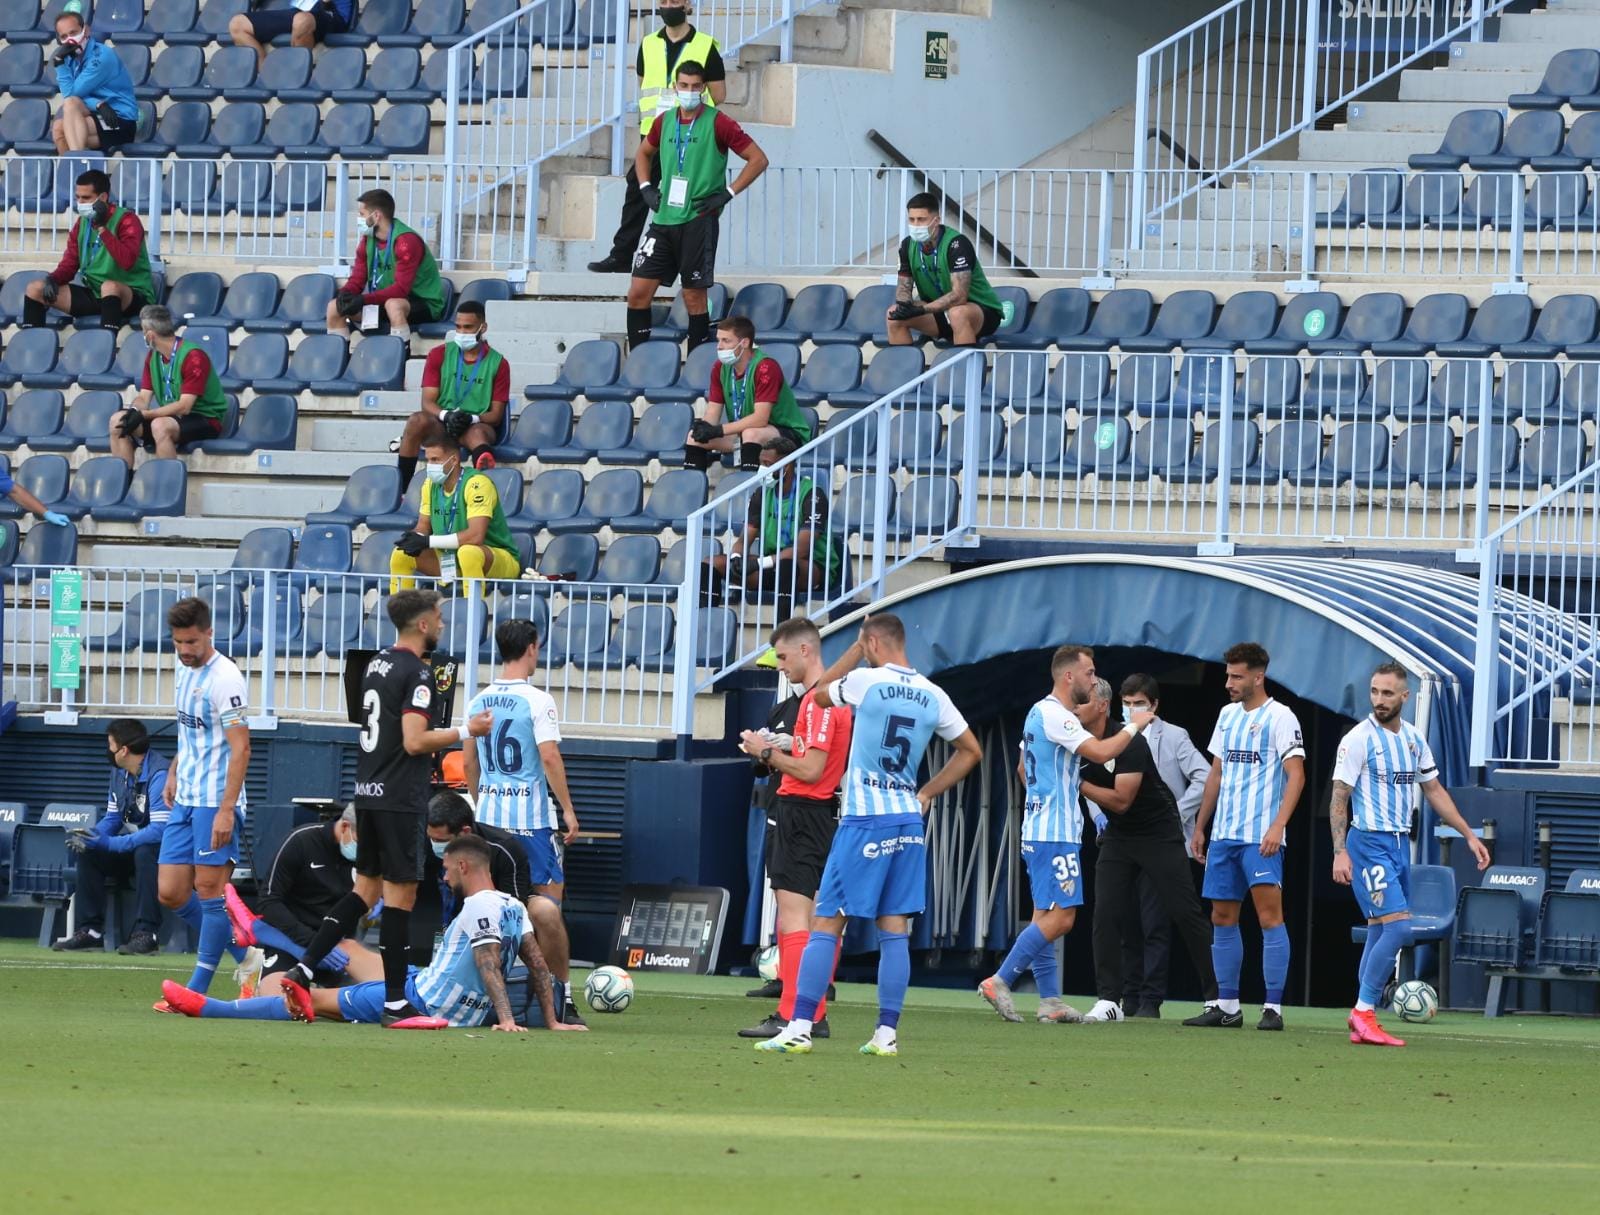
{"x": 463, "y": 985}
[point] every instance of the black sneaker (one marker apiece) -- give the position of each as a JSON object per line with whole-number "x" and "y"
{"x": 82, "y": 939}
{"x": 770, "y": 1027}
{"x": 772, "y": 989}
{"x": 611, "y": 265}
{"x": 1271, "y": 1018}
{"x": 1215, "y": 1018}
{"x": 140, "y": 943}
{"x": 819, "y": 1029}
{"x": 399, "y": 1017}
{"x": 1147, "y": 1009}
{"x": 571, "y": 1016}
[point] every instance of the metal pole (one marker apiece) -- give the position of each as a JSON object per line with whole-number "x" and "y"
{"x": 786, "y": 33}
{"x": 1141, "y": 145}
{"x": 1485, "y": 670}
{"x": 619, "y": 104}
{"x": 469, "y": 679}
{"x": 880, "y": 502}
{"x": 452, "y": 151}
{"x": 1224, "y": 544}
{"x": 1519, "y": 236}
{"x": 683, "y": 644}
{"x": 269, "y": 646}
{"x": 1308, "y": 101}
{"x": 1477, "y": 21}
{"x": 967, "y": 521}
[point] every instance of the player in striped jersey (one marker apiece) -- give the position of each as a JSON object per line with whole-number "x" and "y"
{"x": 464, "y": 985}
{"x": 1381, "y": 763}
{"x": 1258, "y": 770}
{"x": 877, "y": 865}
{"x": 1053, "y": 742}
{"x": 205, "y": 786}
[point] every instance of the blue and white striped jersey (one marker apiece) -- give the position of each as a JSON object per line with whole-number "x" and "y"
{"x": 451, "y": 986}
{"x": 511, "y": 787}
{"x": 1050, "y": 740}
{"x": 1384, "y": 768}
{"x": 897, "y": 712}
{"x": 1252, "y": 745}
{"x": 210, "y": 701}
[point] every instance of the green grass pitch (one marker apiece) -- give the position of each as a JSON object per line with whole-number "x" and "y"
{"x": 108, "y": 1107}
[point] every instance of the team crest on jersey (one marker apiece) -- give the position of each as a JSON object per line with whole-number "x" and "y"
{"x": 1377, "y": 898}
{"x": 1069, "y": 886}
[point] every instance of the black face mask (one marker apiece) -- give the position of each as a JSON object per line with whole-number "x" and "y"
{"x": 673, "y": 17}
{"x": 111, "y": 757}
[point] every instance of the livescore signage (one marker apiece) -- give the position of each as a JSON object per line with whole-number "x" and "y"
{"x": 677, "y": 929}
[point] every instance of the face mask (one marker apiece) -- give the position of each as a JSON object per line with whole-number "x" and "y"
{"x": 348, "y": 851}
{"x": 112, "y": 756}
{"x": 689, "y": 99}
{"x": 438, "y": 848}
{"x": 728, "y": 357}
{"x": 435, "y": 473}
{"x": 920, "y": 232}
{"x": 86, "y": 209}
{"x": 363, "y": 227}
{"x": 673, "y": 17}
{"x": 465, "y": 340}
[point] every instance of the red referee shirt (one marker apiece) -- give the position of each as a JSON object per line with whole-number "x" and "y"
{"x": 818, "y": 728}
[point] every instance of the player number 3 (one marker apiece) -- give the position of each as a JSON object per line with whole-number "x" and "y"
{"x": 369, "y": 729}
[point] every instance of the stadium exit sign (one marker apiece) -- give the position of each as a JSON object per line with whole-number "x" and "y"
{"x": 936, "y": 55}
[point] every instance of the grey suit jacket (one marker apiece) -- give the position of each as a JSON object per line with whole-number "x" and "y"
{"x": 1182, "y": 766}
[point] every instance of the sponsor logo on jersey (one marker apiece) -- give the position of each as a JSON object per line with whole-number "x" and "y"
{"x": 1402, "y": 778}
{"x": 190, "y": 721}
{"x": 1068, "y": 886}
{"x": 369, "y": 788}
{"x": 1245, "y": 757}
{"x": 873, "y": 849}
{"x": 1377, "y": 898}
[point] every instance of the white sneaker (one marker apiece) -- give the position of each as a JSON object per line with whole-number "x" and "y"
{"x": 248, "y": 973}
{"x": 1104, "y": 1010}
{"x": 791, "y": 1041}
{"x": 883, "y": 1042}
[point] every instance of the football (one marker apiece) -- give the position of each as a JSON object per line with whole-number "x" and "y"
{"x": 608, "y": 989}
{"x": 1415, "y": 1001}
{"x": 767, "y": 963}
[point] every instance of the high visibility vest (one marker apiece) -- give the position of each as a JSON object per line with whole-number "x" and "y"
{"x": 655, "y": 90}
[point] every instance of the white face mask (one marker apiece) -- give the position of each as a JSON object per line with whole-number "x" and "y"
{"x": 435, "y": 473}
{"x": 363, "y": 226}
{"x": 465, "y": 340}
{"x": 86, "y": 209}
{"x": 727, "y": 357}
{"x": 920, "y": 232}
{"x": 348, "y": 850}
{"x": 438, "y": 848}
{"x": 689, "y": 99}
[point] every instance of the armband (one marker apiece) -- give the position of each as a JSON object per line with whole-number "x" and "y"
{"x": 450, "y": 540}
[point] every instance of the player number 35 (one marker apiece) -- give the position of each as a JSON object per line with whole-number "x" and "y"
{"x": 1065, "y": 867}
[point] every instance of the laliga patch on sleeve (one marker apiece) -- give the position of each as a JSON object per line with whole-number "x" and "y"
{"x": 236, "y": 702}
{"x": 483, "y": 923}
{"x": 422, "y": 697}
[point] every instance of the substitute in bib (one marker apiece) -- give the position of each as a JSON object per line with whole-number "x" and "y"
{"x": 942, "y": 291}
{"x": 461, "y": 529}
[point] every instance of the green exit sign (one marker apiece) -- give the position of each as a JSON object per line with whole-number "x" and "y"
{"x": 936, "y": 55}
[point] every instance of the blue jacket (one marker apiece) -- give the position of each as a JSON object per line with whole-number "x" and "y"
{"x": 97, "y": 76}
{"x": 136, "y": 815}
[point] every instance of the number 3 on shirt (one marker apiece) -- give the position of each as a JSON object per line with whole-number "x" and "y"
{"x": 371, "y": 706}
{"x": 897, "y": 745}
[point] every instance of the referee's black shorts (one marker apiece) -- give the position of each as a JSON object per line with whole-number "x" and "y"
{"x": 800, "y": 841}
{"x": 391, "y": 844}
{"x": 670, "y": 250}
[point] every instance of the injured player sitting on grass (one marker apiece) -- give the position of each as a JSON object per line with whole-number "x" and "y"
{"x": 464, "y": 986}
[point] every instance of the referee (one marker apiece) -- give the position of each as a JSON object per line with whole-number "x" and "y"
{"x": 806, "y": 812}
{"x": 393, "y": 775}
{"x": 693, "y": 141}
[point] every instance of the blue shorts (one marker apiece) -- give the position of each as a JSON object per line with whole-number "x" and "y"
{"x": 1380, "y": 863}
{"x": 1054, "y": 874}
{"x": 187, "y": 838}
{"x": 1233, "y": 866}
{"x": 362, "y": 1003}
{"x": 545, "y": 850}
{"x": 878, "y": 865}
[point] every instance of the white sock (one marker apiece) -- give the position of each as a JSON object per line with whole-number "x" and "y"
{"x": 401, "y": 332}
{"x": 883, "y": 1035}
{"x": 797, "y": 1026}
{"x": 1228, "y": 1006}
{"x": 1363, "y": 1006}
{"x": 1277, "y": 1008}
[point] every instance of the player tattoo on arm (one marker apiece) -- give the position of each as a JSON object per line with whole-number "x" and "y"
{"x": 904, "y": 289}
{"x": 1339, "y": 814}
{"x": 960, "y": 286}
{"x": 487, "y": 958}
{"x": 538, "y": 977}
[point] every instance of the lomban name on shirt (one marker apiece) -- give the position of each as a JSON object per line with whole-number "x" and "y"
{"x": 895, "y": 691}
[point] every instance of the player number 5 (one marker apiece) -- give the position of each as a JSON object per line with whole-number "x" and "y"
{"x": 897, "y": 745}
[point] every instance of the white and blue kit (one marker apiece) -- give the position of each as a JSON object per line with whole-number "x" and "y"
{"x": 1052, "y": 819}
{"x": 512, "y": 791}
{"x": 210, "y": 702}
{"x": 1252, "y": 745}
{"x": 450, "y": 986}
{"x": 1383, "y": 769}
{"x": 877, "y": 865}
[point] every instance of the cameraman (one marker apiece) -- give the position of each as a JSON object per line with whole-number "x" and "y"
{"x": 125, "y": 843}
{"x": 104, "y": 270}
{"x": 466, "y": 385}
{"x": 189, "y": 402}
{"x": 98, "y": 111}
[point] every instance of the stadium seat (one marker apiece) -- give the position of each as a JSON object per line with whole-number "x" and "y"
{"x": 127, "y": 370}
{"x": 87, "y": 424}
{"x": 439, "y": 23}
{"x": 1530, "y": 137}
{"x": 46, "y": 477}
{"x": 41, "y": 867}
{"x": 652, "y": 365}
{"x": 1572, "y": 73}
{"x": 1371, "y": 197}
{"x": 1458, "y": 391}
{"x": 160, "y": 487}
{"x": 36, "y": 413}
{"x": 818, "y": 308}
{"x": 263, "y": 548}
{"x": 693, "y": 380}
{"x": 616, "y": 493}
{"x": 1358, "y": 452}
{"x": 459, "y": 638}
{"x": 195, "y": 295}
{"x": 676, "y": 327}
{"x": 602, "y": 426}
{"x": 184, "y": 124}
{"x": 928, "y": 506}
{"x": 1123, "y": 313}
{"x": 292, "y": 124}
{"x": 554, "y": 494}
{"x": 12, "y": 294}
{"x": 1306, "y": 317}
{"x": 1061, "y": 312}
{"x": 372, "y": 558}
{"x": 1018, "y": 381}
{"x": 673, "y": 498}
{"x": 403, "y": 518}
{"x": 339, "y": 74}
{"x": 302, "y": 305}
{"x": 30, "y": 357}
{"x": 373, "y": 489}
{"x": 1378, "y": 316}
{"x": 1580, "y": 151}
{"x": 43, "y": 549}
{"x": 1101, "y": 445}
{"x": 1505, "y": 451}
{"x": 324, "y": 548}
{"x": 949, "y": 456}
{"x": 1423, "y": 455}
{"x": 1490, "y": 201}
{"x": 1184, "y": 317}
{"x": 402, "y": 131}
{"x": 764, "y": 304}
{"x": 98, "y": 483}
{"x": 22, "y": 23}
{"x": 142, "y": 625}
{"x": 1333, "y": 387}
{"x": 829, "y": 371}
{"x": 1079, "y": 380}
{"x": 1291, "y": 452}
{"x": 1244, "y": 450}
{"x": 1495, "y": 922}
{"x": 571, "y": 558}
{"x": 889, "y": 370}
{"x": 175, "y": 68}
{"x": 1528, "y": 389}
{"x": 1201, "y": 382}
{"x": 246, "y": 186}
{"x": 228, "y": 69}
{"x": 538, "y": 426}
{"x": 1470, "y": 133}
{"x": 1580, "y": 391}
{"x": 1432, "y": 200}
{"x": 659, "y": 436}
{"x": 332, "y": 624}
{"x": 480, "y": 291}
{"x": 629, "y": 561}
{"x": 377, "y": 364}
{"x": 1435, "y": 319}
{"x": 1163, "y": 448}
{"x": 192, "y": 186}
{"x": 259, "y": 358}
{"x": 949, "y": 388}
{"x": 215, "y": 344}
{"x": 211, "y": 25}
{"x": 37, "y": 185}
{"x": 1567, "y": 323}
{"x": 1569, "y": 925}
{"x": 595, "y": 363}
{"x": 22, "y": 71}
{"x": 1556, "y": 202}
{"x": 1552, "y": 455}
{"x": 318, "y": 359}
{"x": 1501, "y": 320}
{"x": 579, "y": 636}
{"x": 1246, "y": 316}
{"x": 287, "y": 619}
{"x": 25, "y": 127}
{"x": 864, "y": 322}
{"x": 1144, "y": 384}
{"x": 644, "y": 639}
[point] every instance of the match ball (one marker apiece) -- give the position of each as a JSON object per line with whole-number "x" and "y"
{"x": 1415, "y": 1001}
{"x": 608, "y": 989}
{"x": 767, "y": 963}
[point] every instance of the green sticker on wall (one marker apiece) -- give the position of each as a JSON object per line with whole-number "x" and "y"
{"x": 1105, "y": 435}
{"x": 1316, "y": 322}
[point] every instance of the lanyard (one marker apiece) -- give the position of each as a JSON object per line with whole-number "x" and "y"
{"x": 166, "y": 368}
{"x": 928, "y": 263}
{"x": 90, "y": 244}
{"x": 477, "y": 370}
{"x": 683, "y": 144}
{"x": 453, "y": 503}
{"x": 736, "y": 391}
{"x": 375, "y": 259}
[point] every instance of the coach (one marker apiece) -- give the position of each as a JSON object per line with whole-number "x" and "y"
{"x": 105, "y": 269}
{"x": 98, "y": 109}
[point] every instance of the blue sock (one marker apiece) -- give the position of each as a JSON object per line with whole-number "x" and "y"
{"x": 1227, "y": 958}
{"x": 1377, "y": 964}
{"x": 1275, "y": 961}
{"x": 1028, "y": 943}
{"x": 1374, "y": 931}
{"x": 262, "y": 1008}
{"x": 1046, "y": 972}
{"x": 894, "y": 975}
{"x": 214, "y": 934}
{"x": 192, "y": 915}
{"x": 270, "y": 937}
{"x": 816, "y": 964}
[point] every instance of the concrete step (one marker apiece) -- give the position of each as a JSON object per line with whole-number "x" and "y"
{"x": 264, "y": 500}
{"x": 1518, "y": 56}
{"x": 1366, "y": 148}
{"x": 1470, "y": 88}
{"x": 1397, "y": 116}
{"x": 1559, "y": 28}
{"x": 355, "y": 434}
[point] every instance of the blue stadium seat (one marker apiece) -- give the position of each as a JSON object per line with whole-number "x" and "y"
{"x": 1501, "y": 321}
{"x": 484, "y": 13}
{"x": 1490, "y": 201}
{"x": 1569, "y": 925}
{"x": 260, "y": 357}
{"x": 319, "y": 359}
{"x": 303, "y": 304}
{"x": 44, "y": 548}
{"x": 143, "y": 625}
{"x": 116, "y": 19}
{"x": 672, "y": 565}
{"x": 594, "y": 22}
{"x": 693, "y": 380}
{"x": 1580, "y": 151}
{"x": 1081, "y": 380}
{"x": 1144, "y": 384}
{"x": 192, "y": 186}
{"x": 339, "y": 74}
{"x": 288, "y": 619}
{"x": 135, "y": 59}
{"x": 589, "y": 364}
{"x": 1569, "y": 74}
{"x": 1371, "y": 197}
{"x": 160, "y": 487}
{"x": 46, "y": 477}
{"x": 819, "y": 308}
{"x": 263, "y": 548}
{"x": 1556, "y": 202}
{"x": 1530, "y": 137}
{"x": 653, "y": 365}
{"x": 1016, "y": 299}
{"x": 928, "y": 506}
{"x": 676, "y": 327}
{"x": 1246, "y": 317}
{"x": 32, "y": 414}
{"x": 283, "y": 76}
{"x": 865, "y": 321}
{"x": 1435, "y": 319}
{"x": 616, "y": 493}
{"x": 1423, "y": 455}
{"x": 98, "y": 482}
{"x": 603, "y": 426}
{"x": 373, "y": 489}
{"x": 346, "y": 129}
{"x": 716, "y": 637}
{"x": 1333, "y": 386}
{"x": 915, "y": 437}
{"x": 889, "y": 369}
{"x": 989, "y": 448}
{"x": 1528, "y": 389}
{"x": 458, "y": 637}
{"x": 25, "y": 127}
{"x": 394, "y": 74}
{"x": 37, "y": 183}
{"x": 30, "y": 357}
{"x": 1580, "y": 391}
{"x": 1244, "y": 451}
{"x": 128, "y": 370}
{"x": 1378, "y": 316}
{"x": 1552, "y": 455}
{"x": 377, "y": 364}
{"x": 246, "y": 186}
{"x": 1358, "y": 452}
{"x": 1101, "y": 445}
{"x": 1495, "y": 922}
{"x": 438, "y": 23}
{"x": 22, "y": 71}
{"x": 659, "y": 436}
{"x": 504, "y": 72}
{"x": 1201, "y": 382}
{"x": 87, "y": 424}
{"x": 1123, "y": 313}
{"x": 380, "y": 22}
{"x": 403, "y": 518}
{"x": 1291, "y": 452}
{"x": 20, "y": 20}
{"x": 508, "y": 487}
{"x": 403, "y": 131}
{"x": 1185, "y": 316}
{"x": 372, "y": 558}
{"x": 195, "y": 295}
{"x": 1399, "y": 389}
{"x": 950, "y": 387}
{"x": 87, "y": 352}
{"x": 630, "y": 561}
{"x": 332, "y": 624}
{"x": 1432, "y": 200}
{"x": 555, "y": 493}
{"x": 1505, "y": 452}
{"x": 855, "y": 504}
{"x": 479, "y": 291}
{"x": 215, "y": 344}
{"x": 212, "y": 23}
{"x": 1567, "y": 324}
{"x": 431, "y": 83}
{"x": 229, "y": 67}
{"x": 572, "y": 558}
{"x": 830, "y": 370}
{"x": 1271, "y": 387}
{"x": 1470, "y": 133}
{"x": 176, "y": 67}
{"x": 672, "y": 500}
{"x": 764, "y": 304}
{"x": 1061, "y": 312}
{"x": 184, "y": 124}
{"x": 42, "y": 867}
{"x": 1018, "y": 381}
{"x": 1163, "y": 448}
{"x": 292, "y": 125}
{"x": 644, "y": 639}
{"x": 540, "y": 425}
{"x": 1457, "y": 391}
{"x": 579, "y": 636}
{"x": 324, "y": 548}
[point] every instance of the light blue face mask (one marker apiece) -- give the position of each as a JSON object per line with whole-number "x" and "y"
{"x": 689, "y": 99}
{"x": 919, "y": 232}
{"x": 438, "y": 848}
{"x": 348, "y": 850}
